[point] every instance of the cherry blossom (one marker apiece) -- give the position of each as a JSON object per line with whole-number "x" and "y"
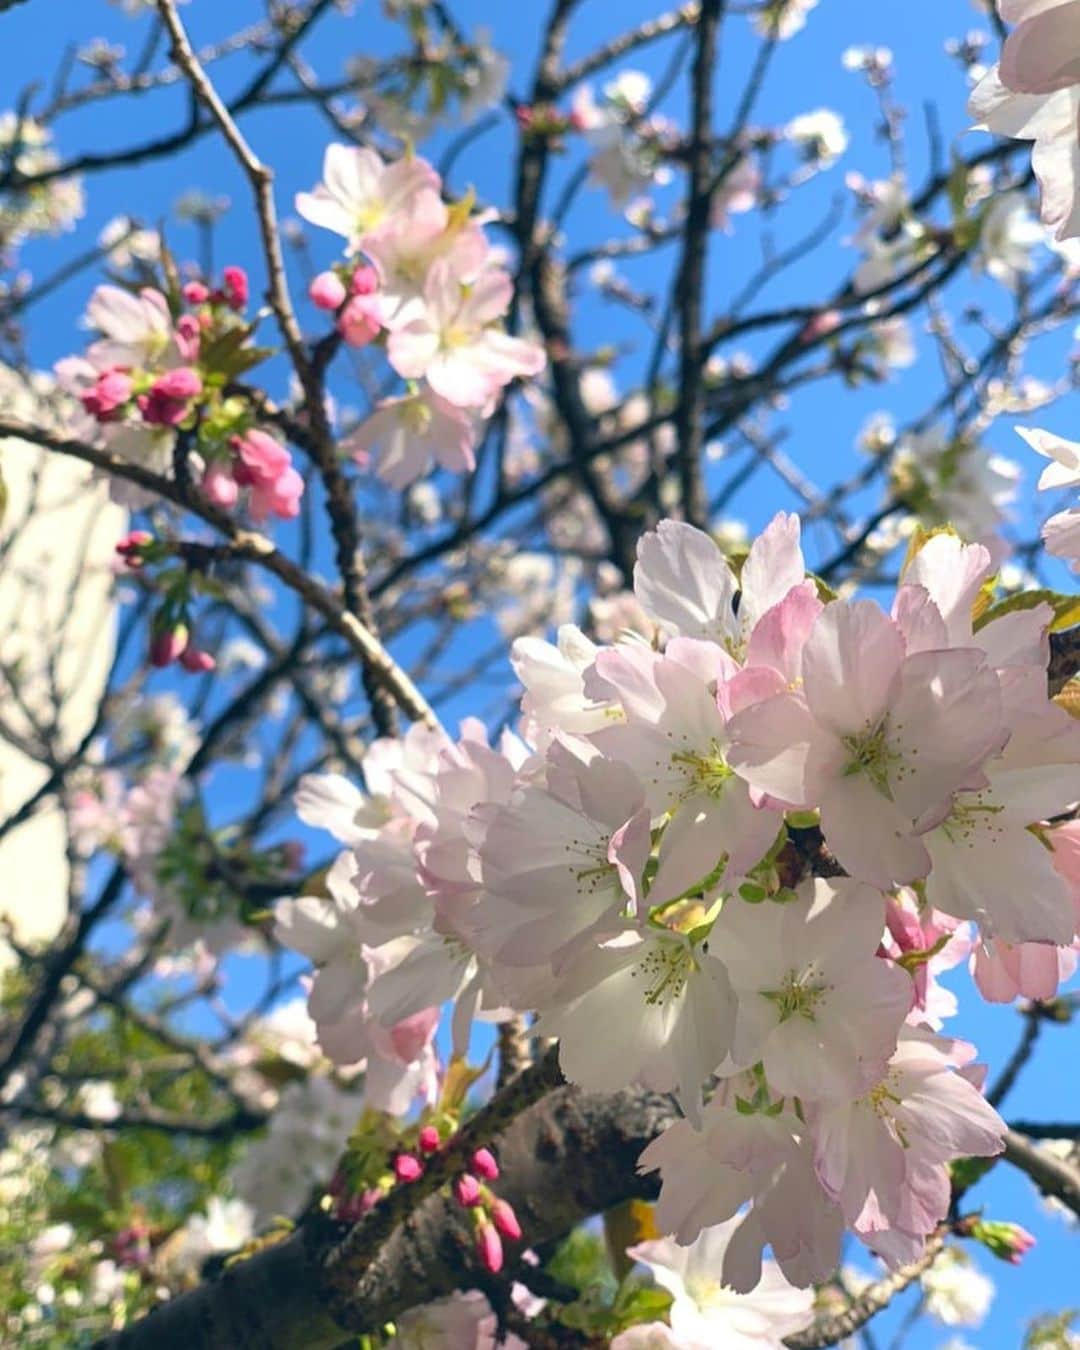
{"x": 410, "y": 434}
{"x": 816, "y": 1006}
{"x": 877, "y": 738}
{"x": 454, "y": 344}
{"x": 704, "y": 1313}
{"x": 360, "y": 194}
{"x": 740, "y": 1156}
{"x": 882, "y": 1156}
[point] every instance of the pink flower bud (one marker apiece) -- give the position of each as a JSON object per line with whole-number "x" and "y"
{"x": 505, "y": 1220}
{"x": 489, "y": 1248}
{"x": 407, "y": 1168}
{"x": 429, "y": 1139}
{"x": 220, "y": 487}
{"x": 467, "y": 1190}
{"x": 327, "y": 291}
{"x": 109, "y": 394}
{"x": 133, "y": 542}
{"x": 359, "y": 322}
{"x": 183, "y": 382}
{"x": 195, "y": 293}
{"x": 236, "y": 286}
{"x": 364, "y": 281}
{"x": 196, "y": 661}
{"x": 188, "y": 336}
{"x": 168, "y": 646}
{"x": 166, "y": 405}
{"x": 484, "y": 1164}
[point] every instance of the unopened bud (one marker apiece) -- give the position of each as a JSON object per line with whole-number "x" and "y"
{"x": 505, "y": 1220}
{"x": 168, "y": 646}
{"x": 489, "y": 1248}
{"x": 429, "y": 1139}
{"x": 467, "y": 1190}
{"x": 484, "y": 1165}
{"x": 1007, "y": 1241}
{"x": 196, "y": 661}
{"x": 195, "y": 293}
{"x": 327, "y": 291}
{"x": 236, "y": 286}
{"x": 407, "y": 1168}
{"x": 364, "y": 281}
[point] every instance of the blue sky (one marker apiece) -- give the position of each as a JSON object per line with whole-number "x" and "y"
{"x": 807, "y": 74}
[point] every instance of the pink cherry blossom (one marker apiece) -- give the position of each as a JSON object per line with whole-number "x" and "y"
{"x": 645, "y": 1005}
{"x": 705, "y": 1313}
{"x": 686, "y": 585}
{"x": 762, "y": 1158}
{"x": 877, "y": 738}
{"x": 816, "y": 1006}
{"x": 559, "y": 859}
{"x": 412, "y": 433}
{"x": 675, "y": 737}
{"x": 360, "y": 194}
{"x": 883, "y": 1155}
{"x": 453, "y": 343}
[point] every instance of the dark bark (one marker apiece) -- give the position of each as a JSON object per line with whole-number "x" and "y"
{"x": 569, "y": 1156}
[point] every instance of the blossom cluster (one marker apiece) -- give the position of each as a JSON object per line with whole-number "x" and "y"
{"x": 157, "y": 372}
{"x": 39, "y": 208}
{"x": 633, "y": 870}
{"x": 421, "y": 277}
{"x": 1033, "y": 94}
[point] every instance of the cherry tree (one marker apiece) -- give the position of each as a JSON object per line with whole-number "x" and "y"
{"x": 464, "y": 886}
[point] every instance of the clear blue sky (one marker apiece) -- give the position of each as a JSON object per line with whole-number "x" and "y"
{"x": 806, "y": 75}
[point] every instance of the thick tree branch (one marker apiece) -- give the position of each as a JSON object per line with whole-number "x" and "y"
{"x": 569, "y": 1156}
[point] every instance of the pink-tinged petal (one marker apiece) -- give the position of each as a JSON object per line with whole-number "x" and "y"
{"x": 870, "y": 836}
{"x": 1022, "y": 117}
{"x": 851, "y": 664}
{"x": 709, "y": 662}
{"x": 684, "y": 583}
{"x": 703, "y": 830}
{"x": 751, "y": 685}
{"x": 772, "y": 568}
{"x": 1002, "y": 876}
{"x": 412, "y": 349}
{"x": 919, "y": 619}
{"x": 629, "y": 851}
{"x": 1021, "y": 638}
{"x": 1061, "y": 534}
{"x": 491, "y": 295}
{"x": 1040, "y": 56}
{"x": 1016, "y": 11}
{"x": 945, "y": 720}
{"x": 1004, "y": 972}
{"x": 951, "y": 573}
{"x": 459, "y": 378}
{"x": 780, "y": 635}
{"x": 779, "y": 748}
{"x": 1056, "y": 163}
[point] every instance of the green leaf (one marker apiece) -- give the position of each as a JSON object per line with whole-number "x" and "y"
{"x": 1066, "y": 608}
{"x": 639, "y": 1303}
{"x": 582, "y": 1262}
